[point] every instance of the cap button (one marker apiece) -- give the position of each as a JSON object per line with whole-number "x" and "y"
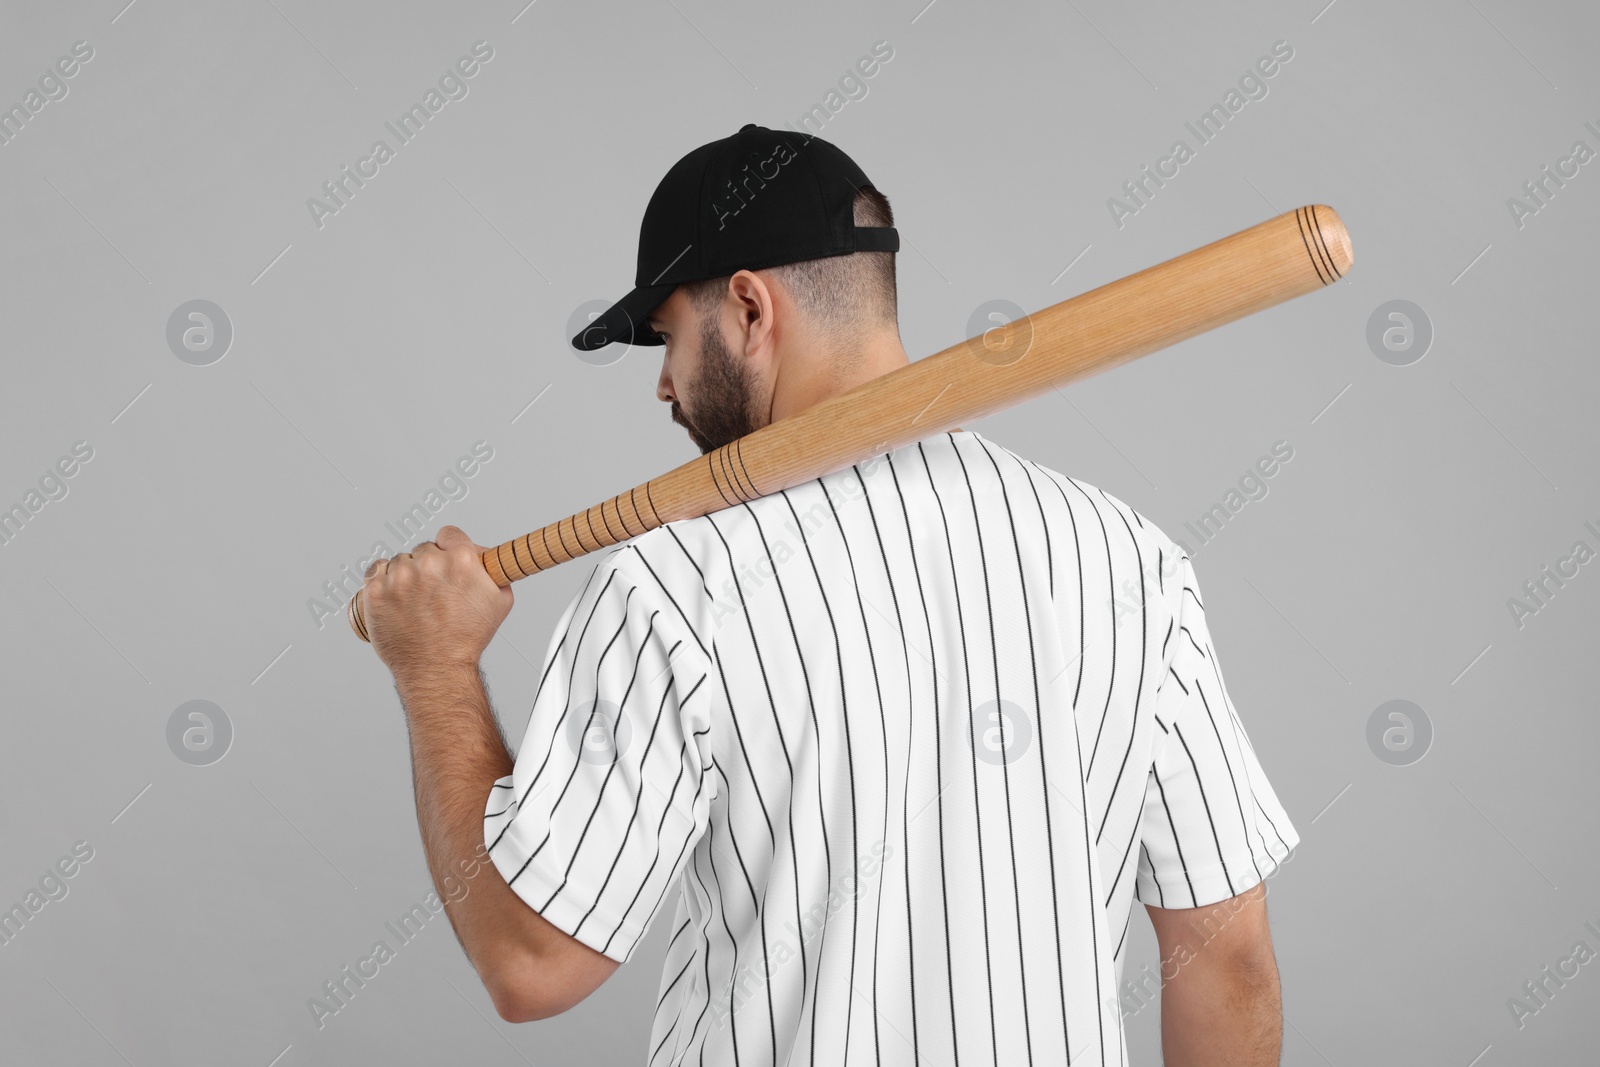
{"x": 747, "y": 127}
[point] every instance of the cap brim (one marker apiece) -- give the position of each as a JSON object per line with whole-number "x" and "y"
{"x": 623, "y": 322}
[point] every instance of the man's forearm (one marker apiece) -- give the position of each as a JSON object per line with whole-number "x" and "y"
{"x": 457, "y": 754}
{"x": 1222, "y": 1013}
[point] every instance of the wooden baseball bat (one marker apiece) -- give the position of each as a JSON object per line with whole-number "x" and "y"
{"x": 1284, "y": 257}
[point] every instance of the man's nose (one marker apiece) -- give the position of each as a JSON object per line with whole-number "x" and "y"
{"x": 664, "y": 385}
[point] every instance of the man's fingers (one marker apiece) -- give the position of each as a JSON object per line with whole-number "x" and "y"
{"x": 454, "y": 539}
{"x": 450, "y": 536}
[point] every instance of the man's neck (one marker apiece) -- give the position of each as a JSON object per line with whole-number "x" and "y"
{"x": 881, "y": 354}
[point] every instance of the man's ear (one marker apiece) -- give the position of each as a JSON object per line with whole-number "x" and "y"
{"x": 755, "y": 300}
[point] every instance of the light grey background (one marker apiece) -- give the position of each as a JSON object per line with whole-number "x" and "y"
{"x": 431, "y": 312}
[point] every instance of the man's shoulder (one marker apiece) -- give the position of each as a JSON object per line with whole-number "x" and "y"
{"x": 672, "y": 564}
{"x": 661, "y": 553}
{"x": 660, "y": 575}
{"x": 693, "y": 554}
{"x": 1087, "y": 501}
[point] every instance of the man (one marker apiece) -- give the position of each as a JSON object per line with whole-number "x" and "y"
{"x": 895, "y": 749}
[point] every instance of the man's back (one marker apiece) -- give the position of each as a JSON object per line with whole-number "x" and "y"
{"x": 848, "y": 720}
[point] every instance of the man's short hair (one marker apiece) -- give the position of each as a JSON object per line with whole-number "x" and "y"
{"x": 844, "y": 295}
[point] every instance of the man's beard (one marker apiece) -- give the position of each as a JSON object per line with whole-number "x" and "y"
{"x": 721, "y": 394}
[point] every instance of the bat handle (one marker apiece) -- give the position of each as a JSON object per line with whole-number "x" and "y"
{"x": 576, "y": 535}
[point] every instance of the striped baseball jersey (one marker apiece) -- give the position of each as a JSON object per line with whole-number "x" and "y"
{"x": 896, "y": 749}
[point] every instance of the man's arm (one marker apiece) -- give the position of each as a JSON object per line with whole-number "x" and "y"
{"x": 431, "y": 612}
{"x": 531, "y": 969}
{"x": 1220, "y": 1002}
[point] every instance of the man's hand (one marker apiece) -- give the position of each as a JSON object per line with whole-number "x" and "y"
{"x": 434, "y": 608}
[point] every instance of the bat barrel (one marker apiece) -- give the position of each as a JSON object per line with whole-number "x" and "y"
{"x": 1288, "y": 256}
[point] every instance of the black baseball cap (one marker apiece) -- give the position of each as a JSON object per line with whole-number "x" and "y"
{"x": 756, "y": 199}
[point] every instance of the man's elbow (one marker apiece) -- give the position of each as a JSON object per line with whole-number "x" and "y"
{"x": 515, "y": 1007}
{"x": 514, "y": 986}
{"x": 542, "y": 979}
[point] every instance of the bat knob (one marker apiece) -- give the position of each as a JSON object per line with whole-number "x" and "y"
{"x": 355, "y": 611}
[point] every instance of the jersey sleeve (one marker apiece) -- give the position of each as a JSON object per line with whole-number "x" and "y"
{"x": 1212, "y": 827}
{"x": 608, "y": 794}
